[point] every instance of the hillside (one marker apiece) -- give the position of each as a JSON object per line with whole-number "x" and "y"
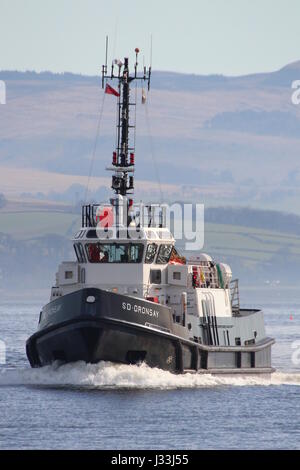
{"x": 228, "y": 142}
{"x": 216, "y": 139}
{"x": 34, "y": 241}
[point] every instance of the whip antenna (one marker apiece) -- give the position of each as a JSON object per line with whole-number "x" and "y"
{"x": 104, "y": 67}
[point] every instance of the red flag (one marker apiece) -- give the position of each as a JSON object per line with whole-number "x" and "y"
{"x": 111, "y": 91}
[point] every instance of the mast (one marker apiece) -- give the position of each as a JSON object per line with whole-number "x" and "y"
{"x": 124, "y": 156}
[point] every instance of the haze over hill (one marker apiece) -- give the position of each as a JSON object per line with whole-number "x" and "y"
{"x": 224, "y": 141}
{"x": 215, "y": 139}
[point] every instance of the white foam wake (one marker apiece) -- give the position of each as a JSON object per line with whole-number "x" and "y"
{"x": 115, "y": 376}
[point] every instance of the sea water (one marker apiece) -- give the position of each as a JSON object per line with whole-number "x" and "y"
{"x": 108, "y": 406}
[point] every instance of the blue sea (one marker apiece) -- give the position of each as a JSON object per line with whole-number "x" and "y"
{"x": 107, "y": 406}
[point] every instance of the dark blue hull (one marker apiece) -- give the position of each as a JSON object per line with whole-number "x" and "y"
{"x": 94, "y": 325}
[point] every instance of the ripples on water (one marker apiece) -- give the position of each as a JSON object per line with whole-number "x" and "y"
{"x": 124, "y": 406}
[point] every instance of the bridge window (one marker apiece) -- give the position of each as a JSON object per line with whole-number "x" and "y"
{"x": 91, "y": 233}
{"x": 164, "y": 254}
{"x": 150, "y": 253}
{"x": 80, "y": 234}
{"x": 114, "y": 252}
{"x": 79, "y": 251}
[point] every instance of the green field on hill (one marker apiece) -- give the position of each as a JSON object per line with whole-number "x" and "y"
{"x": 252, "y": 244}
{"x": 26, "y": 225}
{"x": 30, "y": 249}
{"x": 249, "y": 243}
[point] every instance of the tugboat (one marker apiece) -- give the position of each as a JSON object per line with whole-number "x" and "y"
{"x": 130, "y": 298}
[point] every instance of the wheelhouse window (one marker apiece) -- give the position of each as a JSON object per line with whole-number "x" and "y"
{"x": 79, "y": 251}
{"x": 114, "y": 252}
{"x": 80, "y": 234}
{"x": 91, "y": 233}
{"x": 164, "y": 254}
{"x": 150, "y": 253}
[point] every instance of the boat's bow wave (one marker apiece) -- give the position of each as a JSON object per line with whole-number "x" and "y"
{"x": 105, "y": 375}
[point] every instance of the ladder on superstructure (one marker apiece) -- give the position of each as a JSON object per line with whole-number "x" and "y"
{"x": 235, "y": 296}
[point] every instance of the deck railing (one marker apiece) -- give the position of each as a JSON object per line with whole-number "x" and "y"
{"x": 145, "y": 215}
